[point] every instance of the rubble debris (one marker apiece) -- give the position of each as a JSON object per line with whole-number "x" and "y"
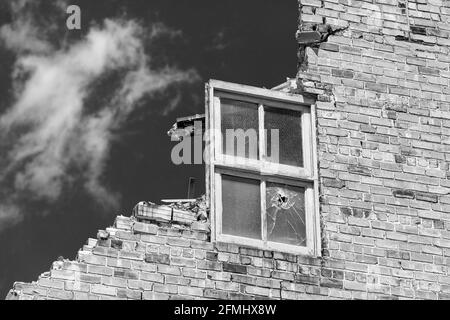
{"x": 198, "y": 206}
{"x": 102, "y": 235}
{"x": 180, "y": 212}
{"x": 58, "y": 264}
{"x": 185, "y": 127}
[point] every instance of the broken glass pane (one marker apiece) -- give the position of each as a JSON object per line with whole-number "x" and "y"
{"x": 289, "y": 139}
{"x": 239, "y": 128}
{"x": 241, "y": 207}
{"x": 285, "y": 209}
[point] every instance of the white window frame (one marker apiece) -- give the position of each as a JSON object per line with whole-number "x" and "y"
{"x": 261, "y": 170}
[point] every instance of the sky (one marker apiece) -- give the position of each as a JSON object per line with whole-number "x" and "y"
{"x": 84, "y": 114}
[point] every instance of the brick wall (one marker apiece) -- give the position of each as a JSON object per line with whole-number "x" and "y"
{"x": 380, "y": 72}
{"x": 141, "y": 258}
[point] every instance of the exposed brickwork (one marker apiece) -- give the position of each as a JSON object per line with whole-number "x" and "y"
{"x": 163, "y": 260}
{"x": 380, "y": 72}
{"x": 383, "y": 113}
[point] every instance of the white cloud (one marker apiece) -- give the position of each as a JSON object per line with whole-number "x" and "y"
{"x": 51, "y": 88}
{"x": 10, "y": 214}
{"x": 23, "y": 34}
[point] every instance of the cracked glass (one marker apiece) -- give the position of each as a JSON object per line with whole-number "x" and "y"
{"x": 240, "y": 118}
{"x": 241, "y": 207}
{"x": 285, "y": 210}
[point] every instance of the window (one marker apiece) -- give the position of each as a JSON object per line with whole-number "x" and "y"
{"x": 262, "y": 173}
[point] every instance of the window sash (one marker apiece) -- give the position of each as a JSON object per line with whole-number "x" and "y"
{"x": 265, "y": 244}
{"x": 261, "y": 164}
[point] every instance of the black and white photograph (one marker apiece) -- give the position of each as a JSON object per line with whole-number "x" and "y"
{"x": 243, "y": 152}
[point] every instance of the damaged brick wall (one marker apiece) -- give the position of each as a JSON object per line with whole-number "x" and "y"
{"x": 141, "y": 257}
{"x": 380, "y": 72}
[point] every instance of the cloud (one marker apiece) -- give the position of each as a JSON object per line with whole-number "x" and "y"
{"x": 24, "y": 34}
{"x": 10, "y": 214}
{"x": 54, "y": 136}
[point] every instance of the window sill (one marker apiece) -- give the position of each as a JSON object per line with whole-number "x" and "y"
{"x": 268, "y": 246}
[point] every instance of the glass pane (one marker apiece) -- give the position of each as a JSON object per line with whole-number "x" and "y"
{"x": 285, "y": 209}
{"x": 239, "y": 128}
{"x": 241, "y": 207}
{"x": 289, "y": 138}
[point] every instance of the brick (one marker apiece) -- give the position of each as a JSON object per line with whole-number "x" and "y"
{"x": 333, "y": 183}
{"x": 105, "y": 251}
{"x": 210, "y": 255}
{"x": 190, "y": 291}
{"x": 342, "y": 73}
{"x": 306, "y": 37}
{"x": 127, "y": 274}
{"x": 402, "y": 193}
{"x": 140, "y": 285}
{"x": 63, "y": 274}
{"x": 154, "y": 239}
{"x": 84, "y": 296}
{"x": 100, "y": 270}
{"x": 235, "y": 268}
{"x": 101, "y": 289}
{"x": 360, "y": 170}
{"x": 177, "y": 280}
{"x": 157, "y": 258}
{"x": 215, "y": 294}
{"x": 257, "y": 291}
{"x": 329, "y": 47}
{"x": 74, "y": 266}
{"x": 183, "y": 262}
{"x": 209, "y": 265}
{"x": 243, "y": 279}
{"x": 93, "y": 259}
{"x": 306, "y": 279}
{"x": 164, "y": 269}
{"x": 428, "y": 71}
{"x": 121, "y": 263}
{"x": 428, "y": 197}
{"x": 367, "y": 128}
{"x": 378, "y": 87}
{"x": 114, "y": 282}
{"x": 166, "y": 288}
{"x": 346, "y": 211}
{"x": 331, "y": 283}
{"x": 60, "y": 294}
{"x": 357, "y": 286}
{"x": 140, "y": 227}
{"x": 178, "y": 242}
{"x": 129, "y": 294}
{"x": 337, "y": 132}
{"x": 193, "y": 273}
{"x": 131, "y": 255}
{"x": 90, "y": 278}
{"x": 245, "y": 260}
{"x": 116, "y": 244}
{"x": 251, "y": 252}
{"x": 149, "y": 295}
